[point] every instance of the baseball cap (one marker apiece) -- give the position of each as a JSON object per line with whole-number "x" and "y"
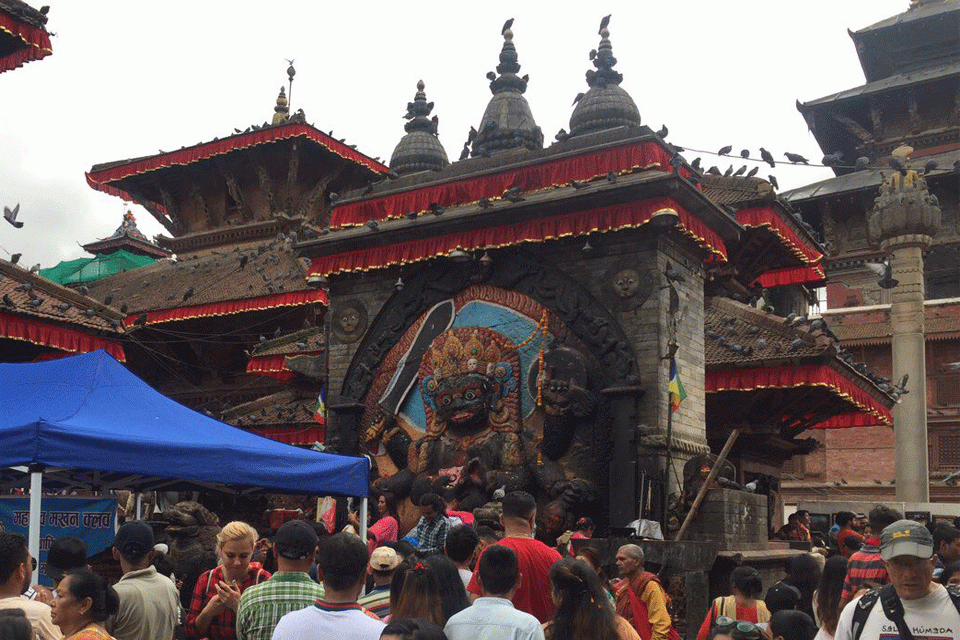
{"x": 782, "y": 596}
{"x": 65, "y": 554}
{"x": 384, "y": 559}
{"x": 295, "y": 540}
{"x": 906, "y": 538}
{"x": 134, "y": 539}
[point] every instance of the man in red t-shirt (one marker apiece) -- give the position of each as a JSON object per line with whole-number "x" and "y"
{"x": 845, "y": 520}
{"x": 534, "y": 557}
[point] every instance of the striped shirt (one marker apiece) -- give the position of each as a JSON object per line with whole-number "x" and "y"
{"x": 864, "y": 565}
{"x": 262, "y": 605}
{"x": 377, "y": 601}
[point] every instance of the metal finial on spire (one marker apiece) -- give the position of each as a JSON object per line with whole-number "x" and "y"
{"x": 606, "y": 104}
{"x": 282, "y": 109}
{"x": 290, "y": 73}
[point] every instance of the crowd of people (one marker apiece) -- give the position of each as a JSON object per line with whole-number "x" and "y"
{"x": 452, "y": 578}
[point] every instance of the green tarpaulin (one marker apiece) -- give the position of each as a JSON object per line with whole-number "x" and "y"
{"x": 90, "y": 269}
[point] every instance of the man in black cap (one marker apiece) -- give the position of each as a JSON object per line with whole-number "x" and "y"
{"x": 149, "y": 604}
{"x": 64, "y": 555}
{"x": 289, "y": 589}
{"x": 912, "y": 604}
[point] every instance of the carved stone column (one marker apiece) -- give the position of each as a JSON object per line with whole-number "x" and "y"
{"x": 904, "y": 220}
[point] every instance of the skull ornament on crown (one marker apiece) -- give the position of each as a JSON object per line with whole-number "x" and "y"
{"x": 469, "y": 378}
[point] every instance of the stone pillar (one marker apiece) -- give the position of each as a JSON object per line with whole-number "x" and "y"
{"x": 907, "y": 324}
{"x": 904, "y": 220}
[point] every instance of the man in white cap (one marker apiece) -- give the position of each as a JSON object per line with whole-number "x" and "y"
{"x": 912, "y": 606}
{"x": 383, "y": 564}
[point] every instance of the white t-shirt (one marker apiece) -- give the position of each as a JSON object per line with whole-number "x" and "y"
{"x": 932, "y": 617}
{"x": 328, "y": 620}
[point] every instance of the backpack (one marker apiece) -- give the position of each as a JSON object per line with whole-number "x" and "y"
{"x": 892, "y": 608}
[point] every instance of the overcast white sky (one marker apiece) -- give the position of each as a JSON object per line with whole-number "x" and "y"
{"x": 128, "y": 78}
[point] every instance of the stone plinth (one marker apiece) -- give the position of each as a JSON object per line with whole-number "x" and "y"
{"x": 734, "y": 519}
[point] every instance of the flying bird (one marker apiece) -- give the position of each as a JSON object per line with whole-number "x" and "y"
{"x": 11, "y": 216}
{"x": 725, "y": 150}
{"x": 796, "y": 158}
{"x": 884, "y": 270}
{"x": 767, "y": 157}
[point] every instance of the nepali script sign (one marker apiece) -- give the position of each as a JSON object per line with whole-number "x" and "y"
{"x": 90, "y": 519}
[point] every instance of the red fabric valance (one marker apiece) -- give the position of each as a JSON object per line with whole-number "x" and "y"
{"x": 274, "y": 366}
{"x": 100, "y": 180}
{"x": 870, "y": 410}
{"x": 51, "y": 335}
{"x": 306, "y": 435}
{"x": 229, "y": 307}
{"x": 767, "y": 217}
{"x": 612, "y": 218}
{"x": 547, "y": 175}
{"x": 800, "y": 275}
{"x": 37, "y": 43}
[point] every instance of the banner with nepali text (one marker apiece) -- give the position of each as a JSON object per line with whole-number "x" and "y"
{"x": 93, "y": 520}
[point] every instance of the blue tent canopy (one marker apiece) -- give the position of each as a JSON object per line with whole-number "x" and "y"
{"x": 88, "y": 421}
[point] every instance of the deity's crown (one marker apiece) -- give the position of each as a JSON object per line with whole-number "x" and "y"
{"x": 461, "y": 351}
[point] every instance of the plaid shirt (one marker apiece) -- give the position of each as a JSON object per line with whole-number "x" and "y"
{"x": 866, "y": 564}
{"x": 223, "y": 626}
{"x": 431, "y": 535}
{"x": 262, "y": 605}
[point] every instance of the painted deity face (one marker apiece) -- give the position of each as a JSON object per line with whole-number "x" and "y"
{"x": 626, "y": 283}
{"x": 349, "y": 320}
{"x": 463, "y": 402}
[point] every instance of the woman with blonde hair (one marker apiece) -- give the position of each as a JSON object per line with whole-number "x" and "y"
{"x": 213, "y": 610}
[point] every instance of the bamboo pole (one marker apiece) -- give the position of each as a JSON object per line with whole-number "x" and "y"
{"x": 709, "y": 481}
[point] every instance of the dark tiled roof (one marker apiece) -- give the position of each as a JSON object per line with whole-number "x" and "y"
{"x": 734, "y": 190}
{"x": 854, "y": 332}
{"x": 926, "y": 9}
{"x": 886, "y": 84}
{"x": 22, "y": 12}
{"x": 288, "y": 406}
{"x": 13, "y": 280}
{"x": 271, "y": 268}
{"x": 762, "y": 336}
{"x": 291, "y": 344}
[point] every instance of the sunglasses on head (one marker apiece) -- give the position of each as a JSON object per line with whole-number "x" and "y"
{"x": 728, "y": 625}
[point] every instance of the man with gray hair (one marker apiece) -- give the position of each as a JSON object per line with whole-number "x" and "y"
{"x": 641, "y": 599}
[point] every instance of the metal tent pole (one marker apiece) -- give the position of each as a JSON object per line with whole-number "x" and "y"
{"x": 33, "y": 537}
{"x": 137, "y": 509}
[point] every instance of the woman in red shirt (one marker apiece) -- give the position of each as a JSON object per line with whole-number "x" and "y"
{"x": 746, "y": 587}
{"x": 213, "y": 610}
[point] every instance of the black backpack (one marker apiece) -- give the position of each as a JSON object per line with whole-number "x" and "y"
{"x": 892, "y": 608}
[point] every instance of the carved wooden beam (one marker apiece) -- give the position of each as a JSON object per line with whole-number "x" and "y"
{"x": 292, "y": 175}
{"x": 266, "y": 182}
{"x": 316, "y": 192}
{"x": 201, "y": 203}
{"x": 916, "y": 124}
{"x": 172, "y": 209}
{"x": 853, "y": 127}
{"x": 233, "y": 188}
{"x": 875, "y": 119}
{"x": 147, "y": 204}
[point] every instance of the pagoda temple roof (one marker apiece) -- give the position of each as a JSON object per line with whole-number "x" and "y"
{"x": 286, "y": 416}
{"x": 924, "y": 9}
{"x": 870, "y": 179}
{"x": 890, "y": 83}
{"x": 605, "y": 181}
{"x": 65, "y": 319}
{"x": 792, "y": 372}
{"x": 269, "y": 358}
{"x": 23, "y": 35}
{"x": 864, "y": 326}
{"x": 212, "y": 284}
